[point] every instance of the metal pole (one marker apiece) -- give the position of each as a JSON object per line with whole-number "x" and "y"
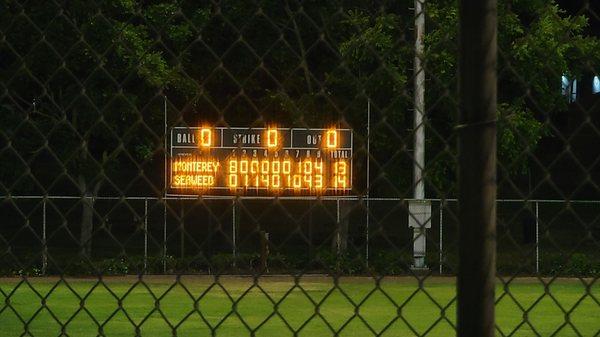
{"x": 367, "y": 234}
{"x": 145, "y": 235}
{"x": 165, "y": 188}
{"x": 441, "y": 237}
{"x": 477, "y": 168}
{"x": 181, "y": 229}
{"x": 419, "y": 102}
{"x": 368, "y": 179}
{"x": 338, "y": 229}
{"x": 537, "y": 238}
{"x": 419, "y": 241}
{"x": 45, "y": 245}
{"x": 233, "y": 231}
{"x": 310, "y": 231}
{"x": 165, "y": 144}
{"x": 164, "y": 260}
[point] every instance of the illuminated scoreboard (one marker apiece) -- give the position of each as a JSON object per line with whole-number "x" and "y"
{"x": 260, "y": 161}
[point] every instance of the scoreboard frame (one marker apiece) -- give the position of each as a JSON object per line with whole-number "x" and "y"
{"x": 291, "y": 139}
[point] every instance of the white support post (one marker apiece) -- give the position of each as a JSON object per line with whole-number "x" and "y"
{"x": 419, "y": 231}
{"x": 537, "y": 237}
{"x": 419, "y": 103}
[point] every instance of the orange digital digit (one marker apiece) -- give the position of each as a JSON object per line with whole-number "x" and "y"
{"x": 243, "y": 166}
{"x": 318, "y": 166}
{"x": 205, "y": 137}
{"x": 275, "y": 167}
{"x": 264, "y": 166}
{"x": 319, "y": 181}
{"x": 287, "y": 166}
{"x": 233, "y": 180}
{"x": 297, "y": 181}
{"x": 276, "y": 181}
{"x": 331, "y": 138}
{"x": 254, "y": 166}
{"x": 264, "y": 178}
{"x": 307, "y": 167}
{"x": 308, "y": 181}
{"x": 340, "y": 167}
{"x": 272, "y": 138}
{"x": 256, "y": 181}
{"x": 341, "y": 182}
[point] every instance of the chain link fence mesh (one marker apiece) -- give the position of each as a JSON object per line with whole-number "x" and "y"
{"x": 93, "y": 243}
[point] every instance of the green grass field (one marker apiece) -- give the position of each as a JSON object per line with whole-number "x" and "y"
{"x": 83, "y": 307}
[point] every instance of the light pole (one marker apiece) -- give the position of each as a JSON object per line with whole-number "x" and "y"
{"x": 419, "y": 209}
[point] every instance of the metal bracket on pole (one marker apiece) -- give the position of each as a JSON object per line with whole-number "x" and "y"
{"x": 419, "y": 219}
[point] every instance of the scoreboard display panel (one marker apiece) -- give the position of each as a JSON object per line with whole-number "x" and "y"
{"x": 260, "y": 161}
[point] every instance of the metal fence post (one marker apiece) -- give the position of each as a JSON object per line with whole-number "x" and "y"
{"x": 44, "y": 243}
{"x": 164, "y": 255}
{"x": 441, "y": 237}
{"x": 145, "y": 235}
{"x": 338, "y": 229}
{"x": 537, "y": 237}
{"x": 477, "y": 168}
{"x": 182, "y": 229}
{"x": 367, "y": 235}
{"x": 311, "y": 252}
{"x": 368, "y": 180}
{"x": 233, "y": 231}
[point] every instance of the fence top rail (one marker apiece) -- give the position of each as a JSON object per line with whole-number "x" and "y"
{"x": 247, "y": 197}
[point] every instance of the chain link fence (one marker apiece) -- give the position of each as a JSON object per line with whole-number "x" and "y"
{"x": 97, "y": 237}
